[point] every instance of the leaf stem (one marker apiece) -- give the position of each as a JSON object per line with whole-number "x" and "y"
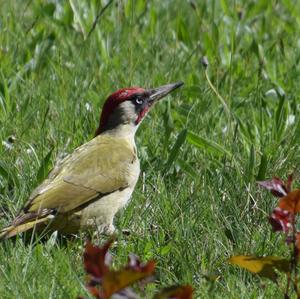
{"x": 294, "y": 256}
{"x": 217, "y": 93}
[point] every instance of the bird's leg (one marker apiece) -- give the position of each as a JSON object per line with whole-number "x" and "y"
{"x": 109, "y": 229}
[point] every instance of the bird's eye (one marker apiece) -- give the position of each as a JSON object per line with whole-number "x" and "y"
{"x": 139, "y": 101}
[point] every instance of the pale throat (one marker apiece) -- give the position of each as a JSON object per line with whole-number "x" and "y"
{"x": 126, "y": 131}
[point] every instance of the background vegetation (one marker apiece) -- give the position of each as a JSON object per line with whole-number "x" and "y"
{"x": 197, "y": 201}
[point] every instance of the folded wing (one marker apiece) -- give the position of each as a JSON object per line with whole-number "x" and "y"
{"x": 92, "y": 170}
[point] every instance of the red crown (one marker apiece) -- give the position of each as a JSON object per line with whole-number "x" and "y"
{"x": 113, "y": 101}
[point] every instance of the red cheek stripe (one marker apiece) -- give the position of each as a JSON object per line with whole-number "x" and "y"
{"x": 141, "y": 115}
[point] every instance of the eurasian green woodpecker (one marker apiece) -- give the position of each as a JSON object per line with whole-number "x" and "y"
{"x": 87, "y": 188}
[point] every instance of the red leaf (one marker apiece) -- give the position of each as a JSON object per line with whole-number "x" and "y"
{"x": 276, "y": 186}
{"x": 281, "y": 220}
{"x": 114, "y": 281}
{"x": 95, "y": 291}
{"x": 291, "y": 202}
{"x": 95, "y": 260}
{"x": 135, "y": 264}
{"x": 103, "y": 282}
{"x": 176, "y": 292}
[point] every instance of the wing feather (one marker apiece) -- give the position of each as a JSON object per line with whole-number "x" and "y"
{"x": 98, "y": 167}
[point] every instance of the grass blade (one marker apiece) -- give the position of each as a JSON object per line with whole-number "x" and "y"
{"x": 206, "y": 144}
{"x": 175, "y": 149}
{"x": 44, "y": 168}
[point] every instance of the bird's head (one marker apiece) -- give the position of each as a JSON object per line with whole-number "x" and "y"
{"x": 129, "y": 106}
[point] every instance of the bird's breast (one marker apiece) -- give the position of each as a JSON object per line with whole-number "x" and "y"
{"x": 134, "y": 171}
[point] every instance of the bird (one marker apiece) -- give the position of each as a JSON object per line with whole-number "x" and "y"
{"x": 88, "y": 187}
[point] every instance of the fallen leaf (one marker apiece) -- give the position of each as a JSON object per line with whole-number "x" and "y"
{"x": 114, "y": 281}
{"x": 95, "y": 291}
{"x": 291, "y": 202}
{"x": 176, "y": 292}
{"x": 96, "y": 260}
{"x": 103, "y": 282}
{"x": 263, "y": 266}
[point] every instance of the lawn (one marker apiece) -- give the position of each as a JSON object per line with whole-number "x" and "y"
{"x": 197, "y": 201}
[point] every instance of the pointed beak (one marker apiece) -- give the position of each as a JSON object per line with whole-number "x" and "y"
{"x": 158, "y": 93}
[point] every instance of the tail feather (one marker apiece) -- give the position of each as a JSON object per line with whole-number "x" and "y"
{"x": 13, "y": 230}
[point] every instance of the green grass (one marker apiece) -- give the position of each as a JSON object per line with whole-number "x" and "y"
{"x": 197, "y": 201}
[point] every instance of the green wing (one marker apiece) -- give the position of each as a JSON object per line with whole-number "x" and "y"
{"x": 98, "y": 167}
